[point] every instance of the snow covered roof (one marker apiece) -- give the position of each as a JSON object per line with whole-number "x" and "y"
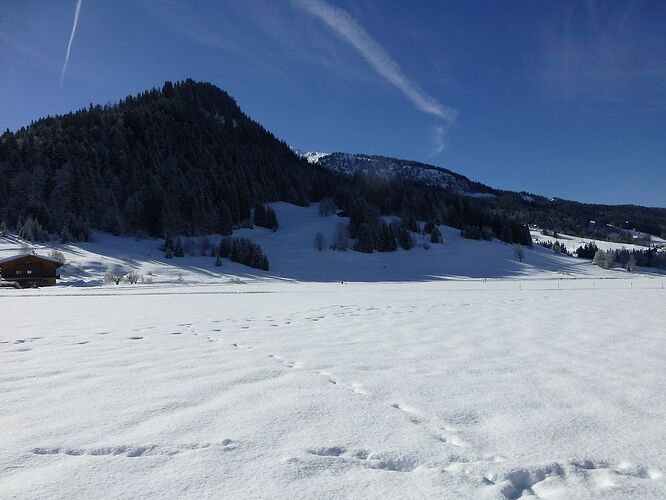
{"x": 21, "y": 256}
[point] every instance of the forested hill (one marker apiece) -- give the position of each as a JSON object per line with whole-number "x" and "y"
{"x": 183, "y": 159}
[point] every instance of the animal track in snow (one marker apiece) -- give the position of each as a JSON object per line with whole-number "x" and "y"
{"x": 444, "y": 433}
{"x": 286, "y": 362}
{"x": 240, "y": 346}
{"x": 551, "y": 479}
{"x": 334, "y": 451}
{"x": 134, "y": 451}
{"x": 411, "y": 412}
{"x": 388, "y": 461}
{"x": 353, "y": 387}
{"x": 28, "y": 340}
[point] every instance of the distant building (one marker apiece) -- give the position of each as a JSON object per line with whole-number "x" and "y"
{"x": 30, "y": 271}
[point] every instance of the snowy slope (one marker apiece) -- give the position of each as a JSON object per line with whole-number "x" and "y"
{"x": 572, "y": 243}
{"x": 294, "y": 390}
{"x": 293, "y": 257}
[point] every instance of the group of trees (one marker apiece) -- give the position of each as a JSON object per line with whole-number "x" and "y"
{"x": 265, "y": 216}
{"x": 372, "y": 232}
{"x": 587, "y": 251}
{"x": 629, "y": 259}
{"x": 375, "y": 234}
{"x": 557, "y": 247}
{"x": 245, "y": 252}
{"x": 239, "y": 250}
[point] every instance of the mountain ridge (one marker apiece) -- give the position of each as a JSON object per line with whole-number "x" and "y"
{"x": 351, "y": 164}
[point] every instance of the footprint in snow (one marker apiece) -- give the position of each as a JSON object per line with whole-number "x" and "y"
{"x": 387, "y": 461}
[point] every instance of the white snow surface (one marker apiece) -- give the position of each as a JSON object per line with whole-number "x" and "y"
{"x": 416, "y": 378}
{"x": 439, "y": 389}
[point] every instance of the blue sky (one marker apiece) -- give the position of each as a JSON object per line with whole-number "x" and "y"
{"x": 561, "y": 98}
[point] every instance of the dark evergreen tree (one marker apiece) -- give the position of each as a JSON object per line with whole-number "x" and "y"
{"x": 178, "y": 249}
{"x": 435, "y": 235}
{"x": 385, "y": 238}
{"x": 364, "y": 239}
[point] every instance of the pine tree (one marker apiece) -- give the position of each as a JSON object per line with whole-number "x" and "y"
{"x": 384, "y": 239}
{"x": 225, "y": 223}
{"x": 435, "y": 235}
{"x": 402, "y": 234}
{"x": 631, "y": 263}
{"x": 364, "y": 239}
{"x": 178, "y": 249}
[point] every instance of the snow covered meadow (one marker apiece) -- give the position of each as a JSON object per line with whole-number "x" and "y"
{"x": 400, "y": 384}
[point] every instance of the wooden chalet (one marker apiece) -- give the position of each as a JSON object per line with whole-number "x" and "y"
{"x": 30, "y": 271}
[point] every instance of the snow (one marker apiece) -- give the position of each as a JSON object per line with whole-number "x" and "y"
{"x": 278, "y": 389}
{"x": 453, "y": 372}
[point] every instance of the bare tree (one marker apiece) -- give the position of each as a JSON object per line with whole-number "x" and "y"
{"x": 340, "y": 237}
{"x": 133, "y": 277}
{"x": 631, "y": 264}
{"x": 319, "y": 242}
{"x": 519, "y": 253}
{"x": 57, "y": 256}
{"x": 115, "y": 276}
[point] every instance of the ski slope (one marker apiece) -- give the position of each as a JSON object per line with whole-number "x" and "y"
{"x": 442, "y": 389}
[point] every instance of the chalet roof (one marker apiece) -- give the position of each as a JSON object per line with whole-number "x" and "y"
{"x": 23, "y": 256}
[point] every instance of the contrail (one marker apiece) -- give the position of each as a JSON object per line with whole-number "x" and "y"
{"x": 71, "y": 39}
{"x": 345, "y": 26}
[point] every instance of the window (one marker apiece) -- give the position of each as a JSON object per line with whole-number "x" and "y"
{"x": 29, "y": 271}
{"x": 19, "y": 271}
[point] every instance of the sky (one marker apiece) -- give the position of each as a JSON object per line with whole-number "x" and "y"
{"x": 564, "y": 98}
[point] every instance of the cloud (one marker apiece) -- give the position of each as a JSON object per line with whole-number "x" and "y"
{"x": 345, "y": 26}
{"x": 71, "y": 39}
{"x": 440, "y": 134}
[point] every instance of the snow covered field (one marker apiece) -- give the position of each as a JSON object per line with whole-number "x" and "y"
{"x": 450, "y": 372}
{"x": 443, "y": 389}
